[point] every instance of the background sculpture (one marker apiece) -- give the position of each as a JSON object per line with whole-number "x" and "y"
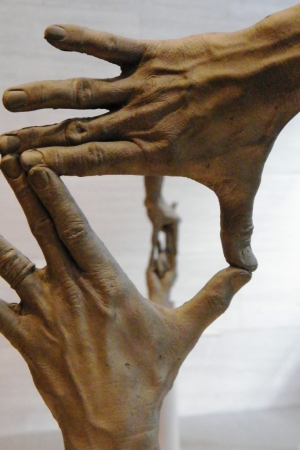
{"x": 161, "y": 274}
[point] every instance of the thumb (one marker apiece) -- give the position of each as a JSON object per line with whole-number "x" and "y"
{"x": 212, "y": 301}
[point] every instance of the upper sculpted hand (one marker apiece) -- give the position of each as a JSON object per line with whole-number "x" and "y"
{"x": 101, "y": 355}
{"x": 208, "y": 107}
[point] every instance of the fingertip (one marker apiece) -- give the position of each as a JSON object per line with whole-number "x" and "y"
{"x": 55, "y": 33}
{"x": 239, "y": 277}
{"x": 243, "y": 258}
{"x": 31, "y": 158}
{"x": 11, "y": 167}
{"x": 9, "y": 144}
{"x": 248, "y": 259}
{"x": 14, "y": 99}
{"x": 38, "y": 177}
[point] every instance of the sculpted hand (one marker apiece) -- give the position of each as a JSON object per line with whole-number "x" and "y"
{"x": 208, "y": 107}
{"x": 101, "y": 355}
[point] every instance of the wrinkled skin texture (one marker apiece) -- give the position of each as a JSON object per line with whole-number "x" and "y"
{"x": 208, "y": 107}
{"x": 101, "y": 355}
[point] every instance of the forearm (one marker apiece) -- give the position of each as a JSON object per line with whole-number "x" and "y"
{"x": 273, "y": 44}
{"x": 281, "y": 26}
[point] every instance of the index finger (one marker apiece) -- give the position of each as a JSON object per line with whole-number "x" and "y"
{"x": 86, "y": 249}
{"x": 110, "y": 47}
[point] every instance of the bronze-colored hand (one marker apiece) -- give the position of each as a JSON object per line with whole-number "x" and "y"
{"x": 101, "y": 355}
{"x": 208, "y": 107}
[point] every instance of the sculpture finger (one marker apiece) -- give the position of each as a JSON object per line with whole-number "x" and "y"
{"x": 212, "y": 301}
{"x": 95, "y": 158}
{"x": 67, "y": 133}
{"x": 9, "y": 323}
{"x": 112, "y": 48}
{"x": 78, "y": 93}
{"x": 40, "y": 223}
{"x": 87, "y": 250}
{"x": 14, "y": 266}
{"x": 237, "y": 228}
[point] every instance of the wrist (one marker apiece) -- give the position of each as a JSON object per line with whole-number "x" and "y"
{"x": 85, "y": 438}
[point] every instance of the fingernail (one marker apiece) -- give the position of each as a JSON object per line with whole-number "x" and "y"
{"x": 9, "y": 144}
{"x": 10, "y": 165}
{"x": 31, "y": 158}
{"x": 248, "y": 259}
{"x": 14, "y": 99}
{"x": 55, "y": 32}
{"x": 39, "y": 178}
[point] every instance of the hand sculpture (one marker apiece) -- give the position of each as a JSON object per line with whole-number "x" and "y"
{"x": 101, "y": 355}
{"x": 161, "y": 271}
{"x": 208, "y": 107}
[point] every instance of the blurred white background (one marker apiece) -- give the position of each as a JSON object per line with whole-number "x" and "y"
{"x": 240, "y": 387}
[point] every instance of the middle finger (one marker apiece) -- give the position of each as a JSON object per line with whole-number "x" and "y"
{"x": 78, "y": 93}
{"x": 40, "y": 223}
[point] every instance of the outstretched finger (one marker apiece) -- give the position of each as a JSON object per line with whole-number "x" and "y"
{"x": 70, "y": 132}
{"x": 94, "y": 158}
{"x": 78, "y": 93}
{"x": 87, "y": 250}
{"x": 115, "y": 49}
{"x": 212, "y": 301}
{"x": 40, "y": 223}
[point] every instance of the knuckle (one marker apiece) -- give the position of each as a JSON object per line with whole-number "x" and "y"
{"x": 95, "y": 155}
{"x": 7, "y": 260}
{"x": 82, "y": 92}
{"x": 42, "y": 227}
{"x": 91, "y": 159}
{"x": 112, "y": 43}
{"x": 73, "y": 231}
{"x": 76, "y": 132}
{"x": 13, "y": 268}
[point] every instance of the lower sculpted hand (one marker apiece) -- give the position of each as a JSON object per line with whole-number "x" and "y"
{"x": 208, "y": 107}
{"x": 101, "y": 355}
